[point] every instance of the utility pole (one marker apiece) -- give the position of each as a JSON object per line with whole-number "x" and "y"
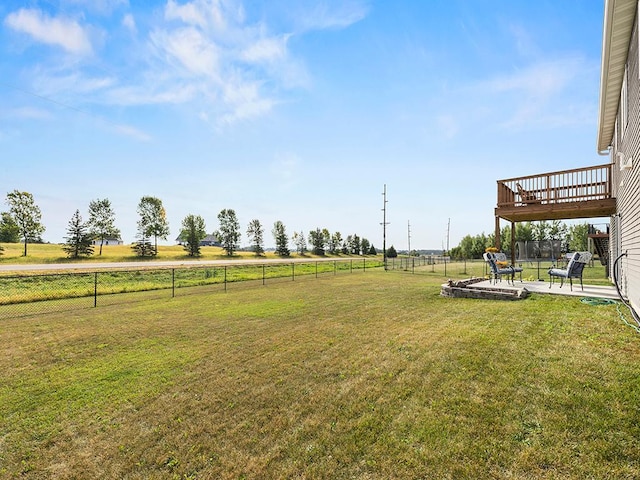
{"x": 409, "y": 236}
{"x": 448, "y": 230}
{"x": 384, "y": 226}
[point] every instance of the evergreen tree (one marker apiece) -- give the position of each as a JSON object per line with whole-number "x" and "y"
{"x": 9, "y": 229}
{"x": 391, "y": 252}
{"x": 317, "y": 241}
{"x": 282, "y": 241}
{"x": 78, "y": 241}
{"x": 354, "y": 246}
{"x": 192, "y": 233}
{"x": 229, "y": 232}
{"x": 372, "y": 250}
{"x": 256, "y": 233}
{"x": 143, "y": 247}
{"x": 364, "y": 246}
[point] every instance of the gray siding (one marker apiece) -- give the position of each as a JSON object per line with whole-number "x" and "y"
{"x": 625, "y": 228}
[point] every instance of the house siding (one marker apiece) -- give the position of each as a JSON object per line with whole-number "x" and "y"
{"x": 625, "y": 227}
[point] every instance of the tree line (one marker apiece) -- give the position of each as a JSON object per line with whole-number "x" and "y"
{"x": 23, "y": 223}
{"x": 573, "y": 238}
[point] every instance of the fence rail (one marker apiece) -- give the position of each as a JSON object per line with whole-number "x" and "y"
{"x": 34, "y": 294}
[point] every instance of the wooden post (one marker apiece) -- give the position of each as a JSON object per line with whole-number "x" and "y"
{"x": 513, "y": 243}
{"x": 497, "y": 235}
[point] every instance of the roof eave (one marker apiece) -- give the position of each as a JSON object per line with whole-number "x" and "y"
{"x": 616, "y": 36}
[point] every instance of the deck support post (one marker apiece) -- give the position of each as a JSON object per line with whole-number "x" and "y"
{"x": 497, "y": 233}
{"x": 513, "y": 243}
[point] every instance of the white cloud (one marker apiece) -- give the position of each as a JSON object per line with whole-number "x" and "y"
{"x": 191, "y": 48}
{"x": 32, "y": 113}
{"x": 266, "y": 49}
{"x": 129, "y": 23}
{"x": 199, "y": 52}
{"x": 330, "y": 14}
{"x": 531, "y": 95}
{"x": 539, "y": 80}
{"x": 214, "y": 15}
{"x": 447, "y": 126}
{"x": 171, "y": 94}
{"x": 132, "y": 132}
{"x": 63, "y": 32}
{"x": 285, "y": 168}
{"x": 104, "y": 7}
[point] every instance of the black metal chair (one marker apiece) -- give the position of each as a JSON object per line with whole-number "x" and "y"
{"x": 496, "y": 272}
{"x": 574, "y": 269}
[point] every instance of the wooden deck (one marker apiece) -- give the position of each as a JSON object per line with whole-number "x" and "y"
{"x": 566, "y": 194}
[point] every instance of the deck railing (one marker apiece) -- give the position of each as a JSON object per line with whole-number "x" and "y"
{"x": 582, "y": 184}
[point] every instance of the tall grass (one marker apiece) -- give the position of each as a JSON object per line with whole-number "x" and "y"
{"x": 53, "y": 253}
{"x": 349, "y": 376}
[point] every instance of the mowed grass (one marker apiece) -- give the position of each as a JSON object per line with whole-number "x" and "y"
{"x": 371, "y": 376}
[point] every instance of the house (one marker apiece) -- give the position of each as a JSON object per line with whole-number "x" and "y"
{"x": 208, "y": 241}
{"x": 608, "y": 190}
{"x": 619, "y": 138}
{"x": 108, "y": 241}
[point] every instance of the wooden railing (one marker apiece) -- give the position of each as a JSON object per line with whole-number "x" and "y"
{"x": 582, "y": 184}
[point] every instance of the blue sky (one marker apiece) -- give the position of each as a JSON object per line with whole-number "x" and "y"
{"x": 298, "y": 111}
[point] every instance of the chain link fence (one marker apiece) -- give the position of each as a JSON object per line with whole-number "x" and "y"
{"x": 22, "y": 295}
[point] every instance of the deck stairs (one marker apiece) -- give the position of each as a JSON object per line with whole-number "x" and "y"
{"x": 601, "y": 246}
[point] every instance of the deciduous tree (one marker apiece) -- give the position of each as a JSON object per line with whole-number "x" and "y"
{"x": 26, "y": 214}
{"x": 255, "y": 232}
{"x": 78, "y": 241}
{"x": 192, "y": 233}
{"x": 153, "y": 220}
{"x": 229, "y": 232}
{"x": 102, "y": 220}
{"x": 300, "y": 242}
{"x": 335, "y": 243}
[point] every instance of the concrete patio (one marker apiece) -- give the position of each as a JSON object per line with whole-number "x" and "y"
{"x": 542, "y": 287}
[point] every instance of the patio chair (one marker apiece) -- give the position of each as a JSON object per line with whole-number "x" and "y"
{"x": 496, "y": 271}
{"x": 574, "y": 269}
{"x": 526, "y": 196}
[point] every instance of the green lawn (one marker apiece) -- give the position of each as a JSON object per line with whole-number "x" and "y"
{"x": 371, "y": 375}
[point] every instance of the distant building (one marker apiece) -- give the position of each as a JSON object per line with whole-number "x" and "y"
{"x": 208, "y": 241}
{"x": 108, "y": 241}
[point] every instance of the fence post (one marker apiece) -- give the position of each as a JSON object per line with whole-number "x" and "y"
{"x": 445, "y": 267}
{"x": 263, "y": 274}
{"x": 225, "y": 278}
{"x": 293, "y": 272}
{"x": 95, "y": 289}
{"x": 316, "y": 269}
{"x": 364, "y": 264}
{"x": 413, "y": 265}
{"x": 351, "y": 265}
{"x": 173, "y": 283}
{"x": 335, "y": 267}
